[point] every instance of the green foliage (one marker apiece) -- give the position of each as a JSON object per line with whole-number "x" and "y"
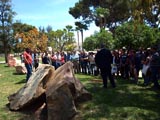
{"x": 61, "y": 39}
{"x": 135, "y": 36}
{"x": 106, "y": 38}
{"x": 6, "y": 18}
{"x": 32, "y": 39}
{"x": 94, "y": 41}
{"x": 19, "y": 27}
{"x": 115, "y": 12}
{"x": 101, "y": 15}
{"x": 69, "y": 28}
{"x": 49, "y": 28}
{"x": 104, "y": 13}
{"x": 90, "y": 43}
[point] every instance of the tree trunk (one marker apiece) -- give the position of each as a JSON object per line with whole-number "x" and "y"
{"x": 82, "y": 38}
{"x": 78, "y": 39}
{"x": 6, "y": 52}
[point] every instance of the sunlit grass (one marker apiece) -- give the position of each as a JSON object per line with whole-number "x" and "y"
{"x": 8, "y": 85}
{"x": 127, "y": 101}
{"x": 2, "y": 58}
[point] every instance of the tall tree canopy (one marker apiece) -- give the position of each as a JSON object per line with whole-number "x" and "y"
{"x": 18, "y": 28}
{"x": 94, "y": 41}
{"x": 6, "y": 18}
{"x": 116, "y": 12}
{"x": 130, "y": 37}
{"x": 62, "y": 39}
{"x": 32, "y": 39}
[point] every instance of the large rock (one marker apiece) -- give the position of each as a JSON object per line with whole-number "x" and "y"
{"x": 20, "y": 69}
{"x": 11, "y": 60}
{"x": 60, "y": 91}
{"x": 60, "y": 103}
{"x": 65, "y": 74}
{"x": 33, "y": 89}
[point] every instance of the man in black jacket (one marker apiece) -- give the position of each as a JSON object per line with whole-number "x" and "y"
{"x": 103, "y": 60}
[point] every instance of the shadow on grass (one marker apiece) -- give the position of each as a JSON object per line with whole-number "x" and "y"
{"x": 18, "y": 73}
{"x": 127, "y": 100}
{"x": 36, "y": 110}
{"x": 6, "y": 66}
{"x": 21, "y": 82}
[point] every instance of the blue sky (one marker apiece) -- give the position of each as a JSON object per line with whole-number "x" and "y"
{"x": 46, "y": 12}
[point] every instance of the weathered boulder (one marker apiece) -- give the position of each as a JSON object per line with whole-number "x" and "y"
{"x": 20, "y": 69}
{"x": 60, "y": 103}
{"x": 65, "y": 74}
{"x": 11, "y": 60}
{"x": 33, "y": 89}
{"x": 60, "y": 90}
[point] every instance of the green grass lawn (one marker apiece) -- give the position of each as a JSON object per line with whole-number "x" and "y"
{"x": 9, "y": 83}
{"x": 2, "y": 59}
{"x": 125, "y": 102}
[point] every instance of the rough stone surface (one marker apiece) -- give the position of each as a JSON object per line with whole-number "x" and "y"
{"x": 20, "y": 69}
{"x": 11, "y": 60}
{"x": 60, "y": 94}
{"x": 58, "y": 90}
{"x": 33, "y": 89}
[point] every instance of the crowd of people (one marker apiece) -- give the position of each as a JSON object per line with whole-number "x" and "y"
{"x": 83, "y": 62}
{"x": 130, "y": 62}
{"x": 117, "y": 63}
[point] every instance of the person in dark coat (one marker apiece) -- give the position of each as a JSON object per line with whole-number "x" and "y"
{"x": 103, "y": 60}
{"x": 154, "y": 67}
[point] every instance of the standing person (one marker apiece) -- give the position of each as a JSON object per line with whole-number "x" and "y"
{"x": 154, "y": 66}
{"x": 21, "y": 57}
{"x": 28, "y": 62}
{"x": 91, "y": 62}
{"x": 84, "y": 61}
{"x": 36, "y": 59}
{"x": 63, "y": 58}
{"x": 103, "y": 60}
{"x": 58, "y": 59}
{"x": 75, "y": 60}
{"x": 138, "y": 60}
{"x": 53, "y": 60}
{"x": 124, "y": 64}
{"x": 45, "y": 58}
{"x": 68, "y": 56}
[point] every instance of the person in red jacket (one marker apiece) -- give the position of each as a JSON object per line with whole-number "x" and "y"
{"x": 28, "y": 62}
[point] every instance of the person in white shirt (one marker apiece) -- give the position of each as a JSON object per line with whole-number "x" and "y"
{"x": 75, "y": 60}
